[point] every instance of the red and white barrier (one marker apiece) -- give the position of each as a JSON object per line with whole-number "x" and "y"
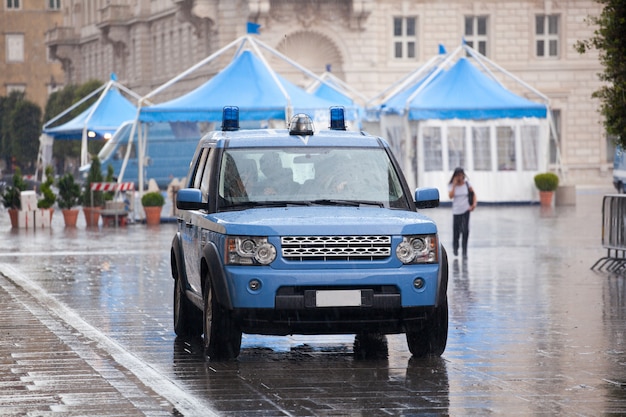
{"x": 112, "y": 186}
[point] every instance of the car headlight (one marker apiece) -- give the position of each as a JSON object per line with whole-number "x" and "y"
{"x": 249, "y": 250}
{"x": 418, "y": 249}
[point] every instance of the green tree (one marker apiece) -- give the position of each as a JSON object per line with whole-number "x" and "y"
{"x": 609, "y": 38}
{"x": 20, "y": 127}
{"x": 61, "y": 100}
{"x": 24, "y": 132}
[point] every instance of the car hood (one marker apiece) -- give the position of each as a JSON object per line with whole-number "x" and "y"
{"x": 323, "y": 221}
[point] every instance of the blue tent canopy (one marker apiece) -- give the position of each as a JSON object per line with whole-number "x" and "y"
{"x": 102, "y": 117}
{"x": 247, "y": 83}
{"x": 462, "y": 92}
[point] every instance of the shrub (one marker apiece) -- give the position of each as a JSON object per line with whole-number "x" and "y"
{"x": 94, "y": 175}
{"x": 69, "y": 192}
{"x": 11, "y": 198}
{"x": 46, "y": 189}
{"x": 547, "y": 181}
{"x": 152, "y": 199}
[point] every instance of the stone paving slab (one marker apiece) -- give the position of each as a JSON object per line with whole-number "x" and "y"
{"x": 43, "y": 375}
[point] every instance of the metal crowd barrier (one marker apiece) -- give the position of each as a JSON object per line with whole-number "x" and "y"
{"x": 613, "y": 234}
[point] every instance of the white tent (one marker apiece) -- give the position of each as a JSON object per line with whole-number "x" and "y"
{"x": 99, "y": 121}
{"x": 454, "y": 111}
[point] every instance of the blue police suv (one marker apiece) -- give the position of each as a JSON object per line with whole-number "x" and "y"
{"x": 297, "y": 231}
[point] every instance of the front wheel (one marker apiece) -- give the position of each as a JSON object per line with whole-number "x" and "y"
{"x": 222, "y": 336}
{"x": 187, "y": 318}
{"x": 432, "y": 338}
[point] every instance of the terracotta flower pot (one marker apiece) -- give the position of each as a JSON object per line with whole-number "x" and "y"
{"x": 153, "y": 215}
{"x": 70, "y": 216}
{"x": 13, "y": 216}
{"x": 92, "y": 216}
{"x": 545, "y": 198}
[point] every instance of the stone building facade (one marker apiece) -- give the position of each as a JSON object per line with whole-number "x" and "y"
{"x": 25, "y": 64}
{"x": 367, "y": 43}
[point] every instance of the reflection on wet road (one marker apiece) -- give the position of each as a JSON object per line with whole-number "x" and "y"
{"x": 532, "y": 329}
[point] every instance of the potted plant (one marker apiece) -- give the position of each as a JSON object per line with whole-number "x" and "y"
{"x": 152, "y": 203}
{"x": 11, "y": 196}
{"x": 68, "y": 199}
{"x": 49, "y": 198}
{"x": 546, "y": 183}
{"x": 93, "y": 200}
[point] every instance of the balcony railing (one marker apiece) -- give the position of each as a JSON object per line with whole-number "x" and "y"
{"x": 61, "y": 35}
{"x": 114, "y": 13}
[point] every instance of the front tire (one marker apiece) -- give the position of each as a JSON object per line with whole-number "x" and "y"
{"x": 222, "y": 336}
{"x": 187, "y": 318}
{"x": 432, "y": 338}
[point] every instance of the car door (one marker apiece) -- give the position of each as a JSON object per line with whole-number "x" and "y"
{"x": 189, "y": 227}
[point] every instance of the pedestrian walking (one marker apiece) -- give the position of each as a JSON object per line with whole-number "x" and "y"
{"x": 463, "y": 202}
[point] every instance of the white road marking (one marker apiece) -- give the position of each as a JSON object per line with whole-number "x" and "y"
{"x": 165, "y": 387}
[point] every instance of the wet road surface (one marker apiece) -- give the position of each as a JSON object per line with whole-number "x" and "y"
{"x": 87, "y": 330}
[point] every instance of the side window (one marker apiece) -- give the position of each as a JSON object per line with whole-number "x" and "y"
{"x": 206, "y": 175}
{"x": 433, "y": 158}
{"x": 505, "y": 143}
{"x": 530, "y": 148}
{"x": 482, "y": 148}
{"x": 456, "y": 146}
{"x": 555, "y": 141}
{"x": 199, "y": 169}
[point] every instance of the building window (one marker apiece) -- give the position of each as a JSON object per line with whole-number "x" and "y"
{"x": 547, "y": 35}
{"x": 54, "y": 4}
{"x": 405, "y": 37}
{"x": 476, "y": 33}
{"x": 611, "y": 147}
{"x": 13, "y": 4}
{"x": 15, "y": 47}
{"x": 19, "y": 88}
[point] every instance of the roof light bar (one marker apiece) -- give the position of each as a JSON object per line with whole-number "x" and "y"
{"x": 301, "y": 124}
{"x": 230, "y": 118}
{"x": 337, "y": 118}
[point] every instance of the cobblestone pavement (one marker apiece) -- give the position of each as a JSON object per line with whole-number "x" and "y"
{"x": 86, "y": 330}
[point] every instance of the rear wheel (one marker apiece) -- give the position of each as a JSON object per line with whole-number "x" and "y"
{"x": 432, "y": 338}
{"x": 187, "y": 318}
{"x": 222, "y": 336}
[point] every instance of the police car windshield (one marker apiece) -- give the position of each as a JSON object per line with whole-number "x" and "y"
{"x": 256, "y": 177}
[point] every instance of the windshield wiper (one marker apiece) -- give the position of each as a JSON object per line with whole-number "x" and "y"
{"x": 351, "y": 203}
{"x": 250, "y": 204}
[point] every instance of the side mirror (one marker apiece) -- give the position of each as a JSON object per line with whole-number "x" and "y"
{"x": 427, "y": 197}
{"x": 189, "y": 199}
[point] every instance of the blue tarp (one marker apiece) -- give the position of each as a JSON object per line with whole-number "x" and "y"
{"x": 246, "y": 83}
{"x": 112, "y": 110}
{"x": 462, "y": 92}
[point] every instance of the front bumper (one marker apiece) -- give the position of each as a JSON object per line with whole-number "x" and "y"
{"x": 336, "y": 320}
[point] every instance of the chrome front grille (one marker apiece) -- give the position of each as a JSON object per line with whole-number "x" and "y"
{"x": 316, "y": 248}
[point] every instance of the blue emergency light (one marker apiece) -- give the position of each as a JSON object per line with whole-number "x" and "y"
{"x": 230, "y": 118}
{"x": 337, "y": 118}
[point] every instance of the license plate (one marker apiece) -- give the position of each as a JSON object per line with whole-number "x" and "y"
{"x": 338, "y": 298}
